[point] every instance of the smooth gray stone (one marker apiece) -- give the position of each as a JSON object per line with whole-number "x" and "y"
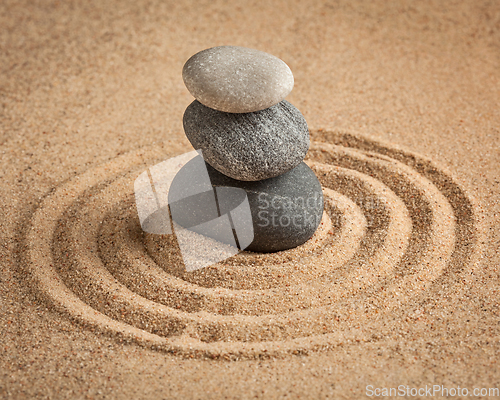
{"x": 285, "y": 210}
{"x": 250, "y": 146}
{"x": 237, "y": 79}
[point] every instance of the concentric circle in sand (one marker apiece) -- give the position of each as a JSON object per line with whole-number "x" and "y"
{"x": 396, "y": 228}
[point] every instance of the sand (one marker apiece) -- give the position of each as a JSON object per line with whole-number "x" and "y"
{"x": 399, "y": 285}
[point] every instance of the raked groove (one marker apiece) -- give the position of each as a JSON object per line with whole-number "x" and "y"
{"x": 394, "y": 223}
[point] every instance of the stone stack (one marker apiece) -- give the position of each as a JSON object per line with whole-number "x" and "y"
{"x": 253, "y": 139}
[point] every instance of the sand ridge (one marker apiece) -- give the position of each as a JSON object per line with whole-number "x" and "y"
{"x": 395, "y": 238}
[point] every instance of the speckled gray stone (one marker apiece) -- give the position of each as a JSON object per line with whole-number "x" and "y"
{"x": 286, "y": 210}
{"x": 237, "y": 79}
{"x": 249, "y": 146}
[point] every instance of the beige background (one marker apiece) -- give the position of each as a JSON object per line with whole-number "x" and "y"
{"x": 82, "y": 82}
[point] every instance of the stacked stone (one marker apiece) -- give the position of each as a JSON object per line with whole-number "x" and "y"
{"x": 251, "y": 138}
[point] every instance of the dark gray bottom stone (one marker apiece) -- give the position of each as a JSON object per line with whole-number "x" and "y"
{"x": 285, "y": 210}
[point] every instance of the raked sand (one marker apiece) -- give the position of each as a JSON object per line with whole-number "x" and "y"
{"x": 399, "y": 285}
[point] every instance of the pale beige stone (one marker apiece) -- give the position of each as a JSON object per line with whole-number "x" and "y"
{"x": 237, "y": 79}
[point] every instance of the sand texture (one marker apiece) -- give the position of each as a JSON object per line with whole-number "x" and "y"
{"x": 398, "y": 286}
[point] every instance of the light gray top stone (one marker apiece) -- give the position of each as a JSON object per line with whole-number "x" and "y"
{"x": 237, "y": 79}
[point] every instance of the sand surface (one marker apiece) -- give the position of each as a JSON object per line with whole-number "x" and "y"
{"x": 400, "y": 284}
